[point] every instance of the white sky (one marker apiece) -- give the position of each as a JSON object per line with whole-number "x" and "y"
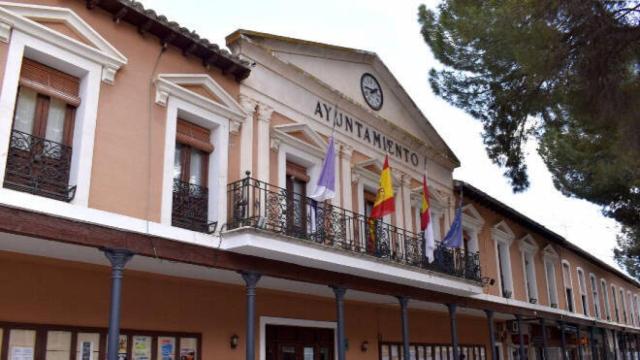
{"x": 390, "y": 29}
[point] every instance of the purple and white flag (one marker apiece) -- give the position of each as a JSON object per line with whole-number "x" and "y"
{"x": 326, "y": 186}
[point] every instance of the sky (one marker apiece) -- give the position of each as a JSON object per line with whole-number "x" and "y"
{"x": 390, "y": 29}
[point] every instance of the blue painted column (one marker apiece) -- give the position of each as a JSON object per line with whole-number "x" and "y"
{"x": 580, "y": 355}
{"x": 454, "y": 329}
{"x": 520, "y": 338}
{"x": 405, "y": 326}
{"x": 615, "y": 345}
{"x": 251, "y": 280}
{"x": 119, "y": 259}
{"x": 492, "y": 334}
{"x": 605, "y": 344}
{"x": 563, "y": 341}
{"x": 592, "y": 341}
{"x": 543, "y": 327}
{"x": 339, "y": 292}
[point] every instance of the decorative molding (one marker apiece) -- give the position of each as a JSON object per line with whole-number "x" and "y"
{"x": 23, "y": 17}
{"x": 170, "y": 85}
{"x": 5, "y": 32}
{"x": 528, "y": 243}
{"x": 502, "y": 232}
{"x": 355, "y": 177}
{"x": 264, "y": 112}
{"x": 248, "y": 104}
{"x": 234, "y": 126}
{"x": 346, "y": 151}
{"x": 549, "y": 253}
{"x": 274, "y": 144}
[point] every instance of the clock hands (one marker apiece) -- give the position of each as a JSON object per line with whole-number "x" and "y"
{"x": 371, "y": 90}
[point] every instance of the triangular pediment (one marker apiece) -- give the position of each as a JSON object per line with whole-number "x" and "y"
{"x": 341, "y": 70}
{"x": 471, "y": 216}
{"x": 201, "y": 90}
{"x": 302, "y": 133}
{"x": 66, "y": 29}
{"x": 503, "y": 231}
{"x": 550, "y": 252}
{"x": 528, "y": 242}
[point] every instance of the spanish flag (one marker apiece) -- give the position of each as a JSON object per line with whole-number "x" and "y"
{"x": 426, "y": 223}
{"x": 384, "y": 203}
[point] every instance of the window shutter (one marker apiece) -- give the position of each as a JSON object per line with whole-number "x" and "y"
{"x": 193, "y": 135}
{"x": 49, "y": 81}
{"x": 297, "y": 171}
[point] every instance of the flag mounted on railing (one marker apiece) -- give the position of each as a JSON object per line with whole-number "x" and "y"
{"x": 384, "y": 203}
{"x": 326, "y": 186}
{"x": 453, "y": 239}
{"x": 426, "y": 223}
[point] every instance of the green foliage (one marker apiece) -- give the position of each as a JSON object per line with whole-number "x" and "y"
{"x": 564, "y": 73}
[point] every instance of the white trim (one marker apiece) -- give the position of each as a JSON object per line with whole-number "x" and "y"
{"x": 218, "y": 159}
{"x": 595, "y": 295}
{"x": 551, "y": 288}
{"x": 564, "y": 283}
{"x": 51, "y": 54}
{"x": 583, "y": 292}
{"x": 169, "y": 85}
{"x": 607, "y": 300}
{"x": 472, "y": 223}
{"x": 528, "y": 248}
{"x": 502, "y": 235}
{"x": 269, "y": 320}
{"x": 616, "y": 304}
{"x": 19, "y": 17}
{"x": 300, "y": 157}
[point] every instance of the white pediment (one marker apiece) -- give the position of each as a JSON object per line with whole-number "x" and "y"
{"x": 314, "y": 138}
{"x": 172, "y": 85}
{"x": 27, "y": 18}
{"x": 550, "y": 252}
{"x": 528, "y": 243}
{"x": 471, "y": 216}
{"x": 502, "y": 231}
{"x": 378, "y": 164}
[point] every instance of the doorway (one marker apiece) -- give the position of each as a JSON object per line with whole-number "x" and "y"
{"x": 284, "y": 342}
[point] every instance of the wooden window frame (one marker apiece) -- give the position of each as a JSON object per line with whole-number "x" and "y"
{"x": 40, "y": 346}
{"x": 193, "y": 137}
{"x": 475, "y": 349}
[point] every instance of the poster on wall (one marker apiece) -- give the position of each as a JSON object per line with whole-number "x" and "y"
{"x": 122, "y": 347}
{"x": 21, "y": 353}
{"x": 167, "y": 348}
{"x": 141, "y": 348}
{"x": 86, "y": 349}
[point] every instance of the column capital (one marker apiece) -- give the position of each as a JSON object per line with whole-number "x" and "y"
{"x": 274, "y": 144}
{"x": 355, "y": 178}
{"x": 248, "y": 104}
{"x": 264, "y": 112}
{"x": 403, "y": 300}
{"x": 346, "y": 151}
{"x": 250, "y": 278}
{"x": 339, "y": 291}
{"x": 118, "y": 257}
{"x": 234, "y": 126}
{"x": 406, "y": 180}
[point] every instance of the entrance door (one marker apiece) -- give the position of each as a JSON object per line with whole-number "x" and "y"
{"x": 299, "y": 343}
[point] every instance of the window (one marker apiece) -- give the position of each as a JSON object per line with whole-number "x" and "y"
{"x": 552, "y": 287}
{"x": 615, "y": 303}
{"x": 528, "y": 247}
{"x": 623, "y": 306}
{"x": 52, "y": 342}
{"x": 419, "y": 351}
{"x": 636, "y": 305}
{"x": 371, "y": 225}
{"x": 632, "y": 314}
{"x": 504, "y": 267}
{"x": 605, "y": 297}
{"x": 583, "y": 292}
{"x": 296, "y": 185}
{"x": 568, "y": 287}
{"x": 190, "y": 171}
{"x": 503, "y": 237}
{"x": 595, "y": 296}
{"x": 39, "y": 157}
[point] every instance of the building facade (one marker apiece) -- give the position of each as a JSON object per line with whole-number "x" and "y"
{"x": 155, "y": 204}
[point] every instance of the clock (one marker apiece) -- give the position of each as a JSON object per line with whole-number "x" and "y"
{"x": 371, "y": 91}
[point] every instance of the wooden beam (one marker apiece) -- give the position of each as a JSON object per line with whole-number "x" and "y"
{"x": 120, "y": 14}
{"x": 37, "y": 225}
{"x": 145, "y": 26}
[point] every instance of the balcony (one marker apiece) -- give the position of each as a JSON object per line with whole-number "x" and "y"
{"x": 39, "y": 166}
{"x": 256, "y": 204}
{"x": 190, "y": 207}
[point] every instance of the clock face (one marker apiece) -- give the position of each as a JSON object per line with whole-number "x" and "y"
{"x": 371, "y": 90}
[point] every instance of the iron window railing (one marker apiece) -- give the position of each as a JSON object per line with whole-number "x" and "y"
{"x": 253, "y": 203}
{"x": 39, "y": 166}
{"x": 190, "y": 207}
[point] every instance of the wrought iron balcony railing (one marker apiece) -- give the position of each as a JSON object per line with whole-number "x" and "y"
{"x": 253, "y": 203}
{"x": 190, "y": 207}
{"x": 39, "y": 166}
